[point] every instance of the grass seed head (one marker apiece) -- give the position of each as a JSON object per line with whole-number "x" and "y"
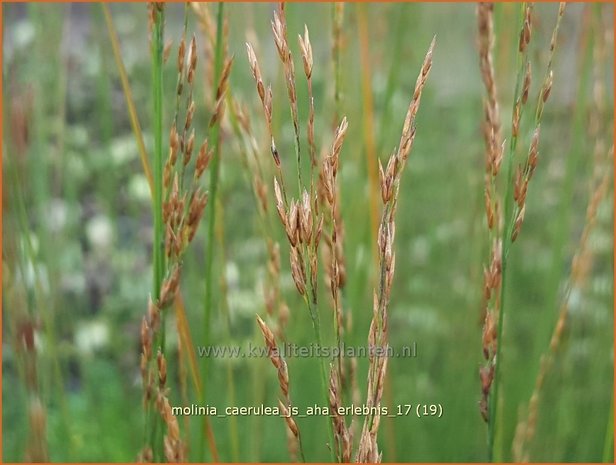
{"x": 306, "y": 47}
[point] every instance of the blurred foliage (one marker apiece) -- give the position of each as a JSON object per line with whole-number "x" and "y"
{"x": 77, "y": 231}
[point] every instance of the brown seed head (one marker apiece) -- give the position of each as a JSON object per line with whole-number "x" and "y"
{"x": 279, "y": 30}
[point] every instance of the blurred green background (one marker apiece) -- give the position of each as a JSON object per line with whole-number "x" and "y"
{"x": 77, "y": 234}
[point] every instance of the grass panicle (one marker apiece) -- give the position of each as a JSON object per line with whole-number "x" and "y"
{"x": 504, "y": 225}
{"x": 182, "y": 204}
{"x": 368, "y": 450}
{"x": 295, "y": 440}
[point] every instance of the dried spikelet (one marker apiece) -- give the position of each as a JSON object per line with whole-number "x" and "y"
{"x": 146, "y": 338}
{"x": 533, "y": 153}
{"x": 283, "y": 381}
{"x": 290, "y": 224}
{"x": 172, "y": 443}
{"x": 220, "y": 93}
{"x": 266, "y": 99}
{"x": 181, "y": 56}
{"x": 197, "y": 205}
{"x": 174, "y": 145}
{"x": 408, "y": 130}
{"x": 169, "y": 287}
{"x": 167, "y": 50}
{"x": 305, "y": 216}
{"x": 191, "y": 61}
{"x": 337, "y": 144}
{"x": 298, "y": 272}
{"x": 279, "y": 29}
{"x": 153, "y": 315}
{"x": 162, "y": 369}
{"x": 306, "y": 47}
{"x": 526, "y": 31}
{"x": 526, "y": 84}
{"x": 279, "y": 203}
{"x": 518, "y": 223}
{"x": 189, "y": 147}
{"x": 342, "y": 435}
{"x": 489, "y": 206}
{"x": 256, "y": 72}
{"x": 203, "y": 160}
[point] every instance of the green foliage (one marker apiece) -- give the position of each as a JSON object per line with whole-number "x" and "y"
{"x": 86, "y": 213}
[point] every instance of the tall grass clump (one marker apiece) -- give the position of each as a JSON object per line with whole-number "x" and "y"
{"x": 179, "y": 203}
{"x": 181, "y": 239}
{"x": 303, "y": 226}
{"x": 314, "y": 216}
{"x": 504, "y": 224}
{"x": 581, "y": 264}
{"x": 221, "y": 69}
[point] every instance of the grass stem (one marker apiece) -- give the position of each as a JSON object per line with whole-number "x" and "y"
{"x": 506, "y": 243}
{"x": 214, "y": 138}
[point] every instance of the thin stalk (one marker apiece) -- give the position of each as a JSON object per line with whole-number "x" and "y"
{"x": 132, "y": 112}
{"x": 299, "y": 164}
{"x": 316, "y": 326}
{"x": 214, "y": 138}
{"x": 506, "y": 243}
{"x": 157, "y": 45}
{"x": 157, "y": 97}
{"x": 368, "y": 124}
{"x": 233, "y": 431}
